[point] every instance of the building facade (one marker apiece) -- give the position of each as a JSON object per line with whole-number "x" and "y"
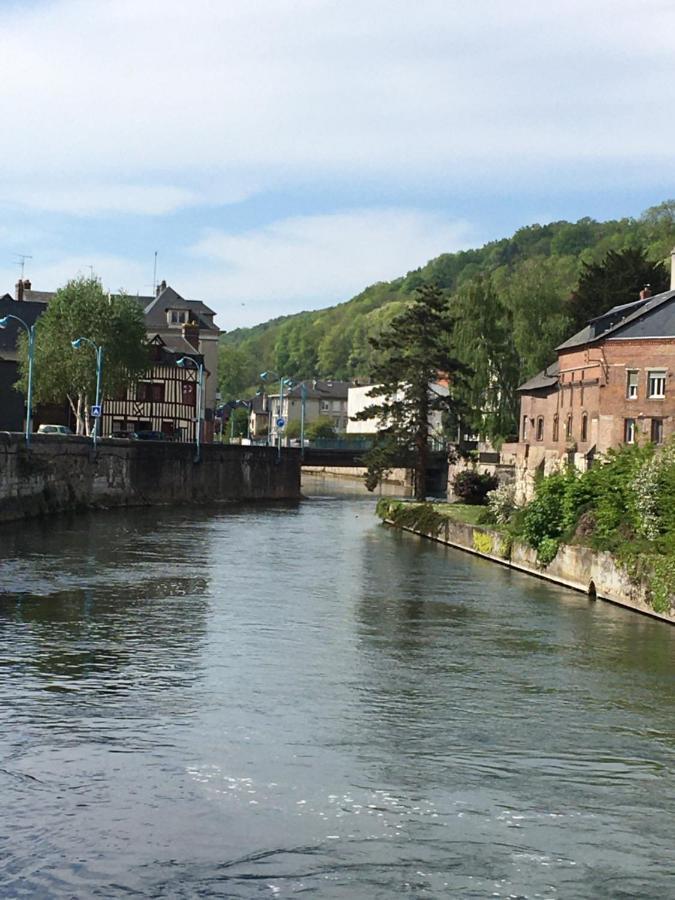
{"x": 613, "y": 383}
{"x": 323, "y": 400}
{"x": 165, "y": 399}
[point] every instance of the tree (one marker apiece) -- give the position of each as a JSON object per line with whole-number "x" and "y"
{"x": 236, "y": 371}
{"x": 614, "y": 281}
{"x": 114, "y": 322}
{"x": 321, "y": 428}
{"x": 483, "y": 338}
{"x": 410, "y": 354}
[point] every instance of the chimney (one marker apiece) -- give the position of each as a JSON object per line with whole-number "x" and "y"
{"x": 646, "y": 292}
{"x": 18, "y": 290}
{"x": 191, "y": 334}
{"x": 26, "y": 284}
{"x": 672, "y": 269}
{"x": 160, "y": 287}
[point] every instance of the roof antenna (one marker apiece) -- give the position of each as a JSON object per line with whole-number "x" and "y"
{"x": 21, "y": 259}
{"x": 154, "y": 276}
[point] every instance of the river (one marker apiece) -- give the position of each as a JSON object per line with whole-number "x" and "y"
{"x": 270, "y": 700}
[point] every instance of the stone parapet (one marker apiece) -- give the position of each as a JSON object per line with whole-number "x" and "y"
{"x": 66, "y": 473}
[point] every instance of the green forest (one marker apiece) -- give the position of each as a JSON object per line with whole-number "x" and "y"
{"x": 514, "y": 300}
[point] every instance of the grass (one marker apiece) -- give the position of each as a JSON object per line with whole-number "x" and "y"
{"x": 461, "y": 512}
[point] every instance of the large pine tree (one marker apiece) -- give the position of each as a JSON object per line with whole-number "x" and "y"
{"x": 410, "y": 355}
{"x": 616, "y": 280}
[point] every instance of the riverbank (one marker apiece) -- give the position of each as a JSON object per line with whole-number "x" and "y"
{"x": 596, "y": 573}
{"x": 60, "y": 474}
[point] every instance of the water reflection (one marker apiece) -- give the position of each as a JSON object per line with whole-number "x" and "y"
{"x": 270, "y": 701}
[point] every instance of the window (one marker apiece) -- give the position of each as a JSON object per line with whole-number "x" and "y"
{"x": 189, "y": 389}
{"x": 556, "y": 428}
{"x": 568, "y": 428}
{"x": 629, "y": 431}
{"x": 149, "y": 391}
{"x": 177, "y": 316}
{"x": 657, "y": 431}
{"x": 584, "y": 427}
{"x": 632, "y": 384}
{"x": 325, "y": 406}
{"x": 656, "y": 384}
{"x": 540, "y": 428}
{"x": 524, "y": 428}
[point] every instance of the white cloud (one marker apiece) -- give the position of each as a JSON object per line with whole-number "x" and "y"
{"x": 175, "y": 96}
{"x": 312, "y": 261}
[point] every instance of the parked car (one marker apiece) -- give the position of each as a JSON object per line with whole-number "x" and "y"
{"x": 121, "y": 434}
{"x": 149, "y": 436}
{"x": 54, "y": 429}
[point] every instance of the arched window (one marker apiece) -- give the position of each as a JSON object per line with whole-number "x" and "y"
{"x": 524, "y": 428}
{"x": 584, "y": 427}
{"x": 556, "y": 428}
{"x": 540, "y": 428}
{"x": 568, "y": 428}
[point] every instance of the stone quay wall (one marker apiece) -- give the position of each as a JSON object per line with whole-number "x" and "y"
{"x": 65, "y": 473}
{"x": 597, "y": 574}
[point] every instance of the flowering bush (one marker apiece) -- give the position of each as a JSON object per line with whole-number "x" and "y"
{"x": 502, "y": 503}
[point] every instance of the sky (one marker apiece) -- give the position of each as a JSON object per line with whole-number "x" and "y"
{"x": 281, "y": 155}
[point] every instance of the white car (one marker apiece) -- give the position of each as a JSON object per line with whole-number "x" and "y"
{"x": 54, "y": 429}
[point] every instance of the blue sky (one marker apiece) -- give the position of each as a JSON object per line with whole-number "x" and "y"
{"x": 282, "y": 154}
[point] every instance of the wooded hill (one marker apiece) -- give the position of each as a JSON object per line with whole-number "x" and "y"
{"x": 517, "y": 296}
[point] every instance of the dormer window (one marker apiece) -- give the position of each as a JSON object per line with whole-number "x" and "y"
{"x": 177, "y": 317}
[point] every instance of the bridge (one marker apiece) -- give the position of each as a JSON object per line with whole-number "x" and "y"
{"x": 350, "y": 457}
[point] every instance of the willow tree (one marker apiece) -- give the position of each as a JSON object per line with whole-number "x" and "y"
{"x": 411, "y": 353}
{"x": 114, "y": 322}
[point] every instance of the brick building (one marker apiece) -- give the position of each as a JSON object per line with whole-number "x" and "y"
{"x": 613, "y": 383}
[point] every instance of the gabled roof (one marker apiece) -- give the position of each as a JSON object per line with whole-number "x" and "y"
{"x": 619, "y": 318}
{"x": 543, "y": 380}
{"x": 155, "y": 310}
{"x": 38, "y": 296}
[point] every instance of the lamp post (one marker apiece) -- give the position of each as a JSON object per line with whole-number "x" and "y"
{"x": 303, "y": 401}
{"x": 270, "y": 376}
{"x": 184, "y": 362}
{"x": 30, "y": 331}
{"x": 77, "y": 343}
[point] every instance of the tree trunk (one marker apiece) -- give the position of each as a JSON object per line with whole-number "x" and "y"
{"x": 422, "y": 447}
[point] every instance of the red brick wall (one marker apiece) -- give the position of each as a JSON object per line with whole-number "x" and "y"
{"x": 593, "y": 383}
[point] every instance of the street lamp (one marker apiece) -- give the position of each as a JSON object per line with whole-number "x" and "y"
{"x": 76, "y": 344}
{"x": 283, "y": 380}
{"x": 183, "y": 363}
{"x": 30, "y": 331}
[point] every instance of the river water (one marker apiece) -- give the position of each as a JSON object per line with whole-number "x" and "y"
{"x": 266, "y": 701}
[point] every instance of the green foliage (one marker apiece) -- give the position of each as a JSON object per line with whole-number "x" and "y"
{"x": 543, "y": 517}
{"x": 547, "y": 550}
{"x": 238, "y": 425}
{"x": 422, "y": 517}
{"x": 483, "y": 341}
{"x": 292, "y": 429}
{"x": 321, "y": 428}
{"x": 473, "y": 487}
{"x": 625, "y": 505}
{"x": 512, "y": 294}
{"x": 83, "y": 309}
{"x": 410, "y": 353}
{"x": 615, "y": 281}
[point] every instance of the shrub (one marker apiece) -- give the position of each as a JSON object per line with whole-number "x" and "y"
{"x": 322, "y": 428}
{"x": 473, "y": 487}
{"x": 502, "y": 503}
{"x": 543, "y": 517}
{"x": 547, "y": 550}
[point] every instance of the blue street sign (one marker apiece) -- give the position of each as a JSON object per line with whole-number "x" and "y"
{"x": 96, "y": 412}
{"x": 281, "y": 422}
